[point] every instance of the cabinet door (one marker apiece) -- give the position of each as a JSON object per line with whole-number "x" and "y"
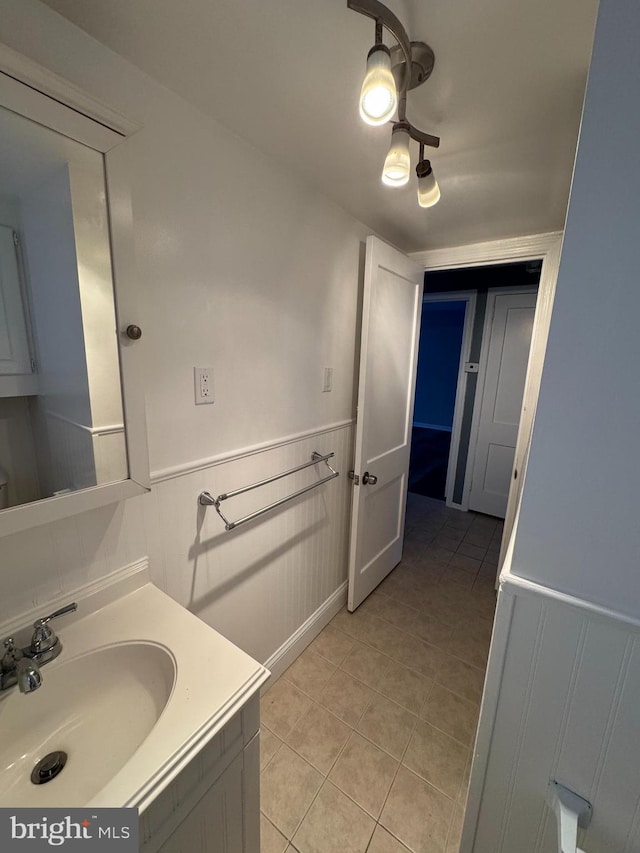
{"x": 215, "y": 825}
{"x": 14, "y": 346}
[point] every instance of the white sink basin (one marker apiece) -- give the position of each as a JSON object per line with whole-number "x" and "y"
{"x": 98, "y": 708}
{"x": 140, "y": 687}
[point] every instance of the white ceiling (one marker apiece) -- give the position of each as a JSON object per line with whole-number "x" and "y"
{"x": 505, "y": 97}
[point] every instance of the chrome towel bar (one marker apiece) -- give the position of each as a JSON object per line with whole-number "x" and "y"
{"x": 207, "y": 499}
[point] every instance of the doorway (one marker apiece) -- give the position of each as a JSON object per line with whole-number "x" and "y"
{"x": 465, "y": 357}
{"x": 445, "y": 337}
{"x": 392, "y": 302}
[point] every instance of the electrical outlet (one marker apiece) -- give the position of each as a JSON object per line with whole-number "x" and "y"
{"x": 203, "y": 385}
{"x": 327, "y": 380}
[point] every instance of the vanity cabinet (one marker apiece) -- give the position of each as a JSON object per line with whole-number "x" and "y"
{"x": 213, "y": 805}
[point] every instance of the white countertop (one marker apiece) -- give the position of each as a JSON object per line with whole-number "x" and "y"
{"x": 213, "y": 678}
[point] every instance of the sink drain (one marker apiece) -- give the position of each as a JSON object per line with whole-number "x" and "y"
{"x": 48, "y": 767}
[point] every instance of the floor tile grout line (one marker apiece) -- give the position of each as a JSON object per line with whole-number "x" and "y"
{"x": 426, "y": 582}
{"x": 354, "y": 730}
{"x": 364, "y": 641}
{"x": 400, "y": 764}
{"x": 426, "y": 781}
{"x": 462, "y": 660}
{"x": 326, "y": 777}
{"x": 415, "y": 634}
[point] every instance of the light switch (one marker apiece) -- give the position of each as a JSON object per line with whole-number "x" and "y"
{"x": 327, "y": 380}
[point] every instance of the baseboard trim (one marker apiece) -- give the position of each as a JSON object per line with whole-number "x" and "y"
{"x": 438, "y": 427}
{"x": 283, "y": 657}
{"x": 454, "y": 505}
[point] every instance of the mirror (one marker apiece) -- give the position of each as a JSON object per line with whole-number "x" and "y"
{"x": 62, "y": 426}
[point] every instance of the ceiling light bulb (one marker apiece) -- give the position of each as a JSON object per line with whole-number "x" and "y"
{"x": 428, "y": 189}
{"x": 398, "y": 162}
{"x": 378, "y": 97}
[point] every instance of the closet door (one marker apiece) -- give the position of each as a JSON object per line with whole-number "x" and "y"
{"x": 506, "y": 345}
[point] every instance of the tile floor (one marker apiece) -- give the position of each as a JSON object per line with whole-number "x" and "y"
{"x": 366, "y": 739}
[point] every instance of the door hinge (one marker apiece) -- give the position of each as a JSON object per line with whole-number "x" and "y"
{"x": 34, "y": 366}
{"x": 16, "y": 239}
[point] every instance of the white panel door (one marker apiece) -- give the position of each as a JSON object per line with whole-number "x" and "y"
{"x": 388, "y": 358}
{"x": 507, "y": 357}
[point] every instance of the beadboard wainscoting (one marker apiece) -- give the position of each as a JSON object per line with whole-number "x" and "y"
{"x": 257, "y": 584}
{"x": 565, "y": 706}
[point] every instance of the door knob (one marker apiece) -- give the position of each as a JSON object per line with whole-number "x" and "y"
{"x": 369, "y": 479}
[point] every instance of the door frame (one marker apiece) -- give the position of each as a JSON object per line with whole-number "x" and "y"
{"x": 492, "y": 292}
{"x": 543, "y": 247}
{"x": 470, "y": 297}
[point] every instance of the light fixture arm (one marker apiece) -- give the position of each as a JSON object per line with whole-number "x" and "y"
{"x": 385, "y": 18}
{"x": 423, "y": 138}
{"x": 379, "y": 39}
{"x": 381, "y": 15}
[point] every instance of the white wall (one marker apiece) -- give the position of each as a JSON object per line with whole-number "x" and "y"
{"x": 49, "y": 246}
{"x": 562, "y": 681}
{"x": 63, "y": 449}
{"x": 579, "y": 530}
{"x": 567, "y": 709}
{"x": 244, "y": 269}
{"x": 9, "y": 213}
{"x": 17, "y": 452}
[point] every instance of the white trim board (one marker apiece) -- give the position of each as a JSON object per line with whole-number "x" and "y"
{"x": 211, "y": 461}
{"x": 108, "y": 429}
{"x": 26, "y": 71}
{"x": 90, "y": 596}
{"x": 283, "y": 657}
{"x": 527, "y": 248}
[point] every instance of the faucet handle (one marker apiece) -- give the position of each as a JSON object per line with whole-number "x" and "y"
{"x": 44, "y": 638}
{"x": 68, "y": 608}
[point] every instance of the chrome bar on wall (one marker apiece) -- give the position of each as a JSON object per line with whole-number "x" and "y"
{"x": 207, "y": 499}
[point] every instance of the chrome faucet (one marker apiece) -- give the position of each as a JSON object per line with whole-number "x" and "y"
{"x": 21, "y": 666}
{"x": 18, "y": 669}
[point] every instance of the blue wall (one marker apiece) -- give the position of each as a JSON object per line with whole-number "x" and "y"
{"x": 438, "y": 362}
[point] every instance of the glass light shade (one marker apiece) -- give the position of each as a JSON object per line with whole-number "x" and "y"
{"x": 378, "y": 97}
{"x": 428, "y": 190}
{"x": 398, "y": 162}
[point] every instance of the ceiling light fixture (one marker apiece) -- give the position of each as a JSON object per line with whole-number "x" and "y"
{"x": 397, "y": 165}
{"x": 379, "y": 96}
{"x": 428, "y": 189}
{"x": 390, "y": 74}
